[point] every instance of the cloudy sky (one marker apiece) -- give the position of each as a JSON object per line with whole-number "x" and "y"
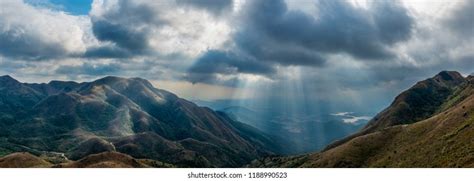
{"x": 346, "y": 53}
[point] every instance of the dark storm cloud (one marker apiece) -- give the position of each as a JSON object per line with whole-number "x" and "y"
{"x": 225, "y": 63}
{"x": 123, "y": 36}
{"x": 222, "y": 62}
{"x": 271, "y": 33}
{"x": 393, "y": 23}
{"x": 214, "y": 6}
{"x": 339, "y": 28}
{"x": 128, "y": 25}
{"x": 106, "y": 52}
{"x": 23, "y": 46}
{"x": 268, "y": 50}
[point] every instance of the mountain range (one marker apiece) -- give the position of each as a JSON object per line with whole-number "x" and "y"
{"x": 127, "y": 122}
{"x": 63, "y": 123}
{"x": 429, "y": 125}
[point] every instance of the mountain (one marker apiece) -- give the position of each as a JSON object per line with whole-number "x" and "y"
{"x": 64, "y": 121}
{"x": 428, "y": 125}
{"x": 419, "y": 102}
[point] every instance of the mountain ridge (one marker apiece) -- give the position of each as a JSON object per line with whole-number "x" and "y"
{"x": 128, "y": 113}
{"x": 412, "y": 104}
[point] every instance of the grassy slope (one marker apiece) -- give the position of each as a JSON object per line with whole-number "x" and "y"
{"x": 23, "y": 160}
{"x": 445, "y": 140}
{"x": 100, "y": 160}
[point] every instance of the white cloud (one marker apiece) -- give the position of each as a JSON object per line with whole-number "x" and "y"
{"x": 349, "y": 118}
{"x": 342, "y": 113}
{"x": 162, "y": 27}
{"x": 32, "y": 32}
{"x": 356, "y": 119}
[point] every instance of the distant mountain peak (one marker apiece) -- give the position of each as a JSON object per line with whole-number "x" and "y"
{"x": 55, "y": 82}
{"x": 421, "y": 100}
{"x": 7, "y": 79}
{"x": 144, "y": 81}
{"x": 450, "y": 76}
{"x": 110, "y": 79}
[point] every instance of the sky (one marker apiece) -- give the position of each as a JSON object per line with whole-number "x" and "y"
{"x": 342, "y": 55}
